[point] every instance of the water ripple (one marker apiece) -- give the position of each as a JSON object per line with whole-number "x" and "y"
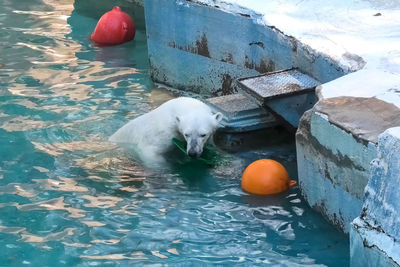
{"x": 69, "y": 196}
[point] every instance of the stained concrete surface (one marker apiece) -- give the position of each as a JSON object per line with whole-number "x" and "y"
{"x": 202, "y": 48}
{"x": 375, "y": 233}
{"x": 333, "y": 168}
{"x": 365, "y": 118}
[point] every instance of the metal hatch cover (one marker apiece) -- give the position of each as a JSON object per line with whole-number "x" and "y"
{"x": 277, "y": 84}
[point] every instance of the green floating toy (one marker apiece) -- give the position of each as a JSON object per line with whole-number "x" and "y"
{"x": 209, "y": 155}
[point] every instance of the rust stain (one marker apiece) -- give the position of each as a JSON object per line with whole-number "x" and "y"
{"x": 265, "y": 65}
{"x": 244, "y": 15}
{"x": 336, "y": 219}
{"x": 292, "y": 87}
{"x": 293, "y": 41}
{"x": 304, "y": 136}
{"x": 226, "y": 88}
{"x": 200, "y": 47}
{"x": 260, "y": 44}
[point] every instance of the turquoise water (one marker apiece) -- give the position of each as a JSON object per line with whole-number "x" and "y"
{"x": 68, "y": 198}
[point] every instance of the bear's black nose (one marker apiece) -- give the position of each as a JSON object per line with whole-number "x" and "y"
{"x": 192, "y": 154}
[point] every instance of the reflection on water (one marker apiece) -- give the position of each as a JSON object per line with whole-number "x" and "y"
{"x": 69, "y": 196}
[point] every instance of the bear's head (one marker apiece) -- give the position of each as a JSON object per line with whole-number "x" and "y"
{"x": 197, "y": 128}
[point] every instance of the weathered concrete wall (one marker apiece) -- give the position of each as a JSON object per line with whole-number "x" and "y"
{"x": 370, "y": 247}
{"x": 376, "y": 233}
{"x": 336, "y": 141}
{"x": 332, "y": 168}
{"x": 201, "y": 48}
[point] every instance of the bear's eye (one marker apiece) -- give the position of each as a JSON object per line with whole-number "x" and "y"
{"x": 186, "y": 135}
{"x": 203, "y": 135}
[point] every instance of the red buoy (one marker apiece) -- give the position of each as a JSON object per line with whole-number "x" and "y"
{"x": 114, "y": 27}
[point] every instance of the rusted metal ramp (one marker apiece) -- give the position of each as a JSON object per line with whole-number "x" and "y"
{"x": 287, "y": 94}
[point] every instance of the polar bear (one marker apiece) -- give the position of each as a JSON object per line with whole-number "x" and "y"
{"x": 183, "y": 118}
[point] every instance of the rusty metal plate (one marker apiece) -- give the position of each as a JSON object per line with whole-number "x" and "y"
{"x": 277, "y": 84}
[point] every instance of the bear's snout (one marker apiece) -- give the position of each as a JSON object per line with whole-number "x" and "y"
{"x": 195, "y": 148}
{"x": 193, "y": 153}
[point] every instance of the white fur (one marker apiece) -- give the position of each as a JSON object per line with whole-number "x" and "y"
{"x": 182, "y": 117}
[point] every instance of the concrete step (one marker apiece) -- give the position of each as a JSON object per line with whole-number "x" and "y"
{"x": 241, "y": 114}
{"x": 287, "y": 93}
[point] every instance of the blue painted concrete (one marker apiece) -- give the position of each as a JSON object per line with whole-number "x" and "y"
{"x": 189, "y": 70}
{"x": 333, "y": 169}
{"x": 291, "y": 108}
{"x": 382, "y": 193}
{"x": 370, "y": 247}
{"x": 376, "y": 233}
{"x": 203, "y": 49}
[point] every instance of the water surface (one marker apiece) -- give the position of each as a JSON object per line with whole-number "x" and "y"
{"x": 68, "y": 198}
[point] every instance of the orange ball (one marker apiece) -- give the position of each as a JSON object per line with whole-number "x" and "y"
{"x": 266, "y": 176}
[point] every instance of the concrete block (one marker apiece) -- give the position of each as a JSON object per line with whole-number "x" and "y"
{"x": 333, "y": 169}
{"x": 370, "y": 247}
{"x": 201, "y": 48}
{"x": 382, "y": 203}
{"x": 241, "y": 114}
{"x": 336, "y": 143}
{"x": 376, "y": 233}
{"x": 190, "y": 72}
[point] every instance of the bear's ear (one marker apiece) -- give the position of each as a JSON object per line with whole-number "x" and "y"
{"x": 218, "y": 117}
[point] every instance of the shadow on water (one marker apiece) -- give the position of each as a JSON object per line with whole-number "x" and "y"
{"x": 196, "y": 176}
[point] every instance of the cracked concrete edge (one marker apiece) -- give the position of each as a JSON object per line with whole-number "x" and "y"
{"x": 349, "y": 62}
{"x": 373, "y": 239}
